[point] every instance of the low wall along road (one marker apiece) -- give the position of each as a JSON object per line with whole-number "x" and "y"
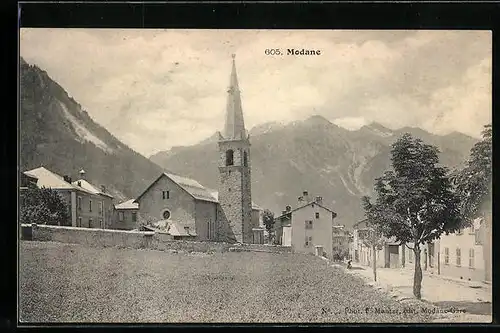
{"x": 134, "y": 239}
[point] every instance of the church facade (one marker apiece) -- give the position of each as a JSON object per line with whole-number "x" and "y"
{"x": 205, "y": 214}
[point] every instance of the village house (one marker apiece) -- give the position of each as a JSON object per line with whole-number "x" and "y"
{"x": 125, "y": 215}
{"x": 461, "y": 253}
{"x": 390, "y": 254}
{"x": 179, "y": 203}
{"x": 458, "y": 255}
{"x": 309, "y": 225}
{"x": 89, "y": 207}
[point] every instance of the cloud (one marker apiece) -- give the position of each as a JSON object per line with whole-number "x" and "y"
{"x": 171, "y": 84}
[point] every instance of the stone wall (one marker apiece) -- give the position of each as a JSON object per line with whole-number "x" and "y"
{"x": 134, "y": 239}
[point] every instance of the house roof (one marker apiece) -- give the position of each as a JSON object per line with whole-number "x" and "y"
{"x": 194, "y": 188}
{"x": 47, "y": 178}
{"x": 89, "y": 187}
{"x": 173, "y": 228}
{"x": 307, "y": 204}
{"x": 129, "y": 204}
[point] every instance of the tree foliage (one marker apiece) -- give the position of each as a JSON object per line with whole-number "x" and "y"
{"x": 43, "y": 206}
{"x": 416, "y": 201}
{"x": 268, "y": 220}
{"x": 474, "y": 182}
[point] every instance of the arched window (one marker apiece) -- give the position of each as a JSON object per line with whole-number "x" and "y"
{"x": 245, "y": 159}
{"x": 229, "y": 157}
{"x": 166, "y": 215}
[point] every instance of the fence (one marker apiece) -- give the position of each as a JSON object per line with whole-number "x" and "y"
{"x": 133, "y": 239}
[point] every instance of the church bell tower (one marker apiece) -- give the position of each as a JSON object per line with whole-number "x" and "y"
{"x": 235, "y": 196}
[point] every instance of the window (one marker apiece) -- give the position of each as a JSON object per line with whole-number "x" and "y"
{"x": 120, "y": 216}
{"x": 134, "y": 216}
{"x": 186, "y": 229}
{"x": 308, "y": 241}
{"x": 471, "y": 258}
{"x": 245, "y": 159}
{"x": 100, "y": 208}
{"x": 459, "y": 259}
{"x": 309, "y": 224}
{"x": 446, "y": 256}
{"x": 101, "y": 224}
{"x": 229, "y": 157}
{"x": 90, "y": 223}
{"x": 166, "y": 195}
{"x": 90, "y": 205}
{"x": 317, "y": 215}
{"x": 79, "y": 222}
{"x": 166, "y": 215}
{"x": 229, "y": 189}
{"x": 79, "y": 203}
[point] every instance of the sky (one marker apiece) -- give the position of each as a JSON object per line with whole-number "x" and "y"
{"x": 155, "y": 89}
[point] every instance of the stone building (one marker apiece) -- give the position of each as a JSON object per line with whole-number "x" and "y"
{"x": 235, "y": 193}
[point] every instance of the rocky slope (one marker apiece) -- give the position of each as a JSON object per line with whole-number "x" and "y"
{"x": 55, "y": 132}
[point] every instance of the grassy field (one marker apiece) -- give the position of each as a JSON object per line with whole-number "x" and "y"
{"x": 71, "y": 283}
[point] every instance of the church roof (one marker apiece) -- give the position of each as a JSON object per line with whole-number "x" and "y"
{"x": 192, "y": 187}
{"x": 234, "y": 128}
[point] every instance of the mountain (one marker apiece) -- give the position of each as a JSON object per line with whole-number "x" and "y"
{"x": 55, "y": 132}
{"x": 314, "y": 155}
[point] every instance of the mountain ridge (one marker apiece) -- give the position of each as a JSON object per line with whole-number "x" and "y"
{"x": 315, "y": 155}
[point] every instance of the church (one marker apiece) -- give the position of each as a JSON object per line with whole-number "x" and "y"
{"x": 186, "y": 209}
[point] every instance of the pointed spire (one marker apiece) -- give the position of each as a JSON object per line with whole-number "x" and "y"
{"x": 234, "y": 128}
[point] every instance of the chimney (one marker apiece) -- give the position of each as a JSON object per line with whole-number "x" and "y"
{"x": 67, "y": 179}
{"x": 103, "y": 189}
{"x": 288, "y": 208}
{"x": 79, "y": 183}
{"x": 305, "y": 195}
{"x": 319, "y": 200}
{"x": 82, "y": 174}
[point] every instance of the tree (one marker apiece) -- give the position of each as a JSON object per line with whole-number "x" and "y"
{"x": 268, "y": 220}
{"x": 43, "y": 206}
{"x": 474, "y": 186}
{"x": 474, "y": 182}
{"x": 416, "y": 202}
{"x": 372, "y": 237}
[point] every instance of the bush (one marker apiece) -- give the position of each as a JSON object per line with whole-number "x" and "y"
{"x": 43, "y": 206}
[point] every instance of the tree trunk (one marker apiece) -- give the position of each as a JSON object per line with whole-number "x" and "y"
{"x": 374, "y": 259}
{"x": 417, "y": 276}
